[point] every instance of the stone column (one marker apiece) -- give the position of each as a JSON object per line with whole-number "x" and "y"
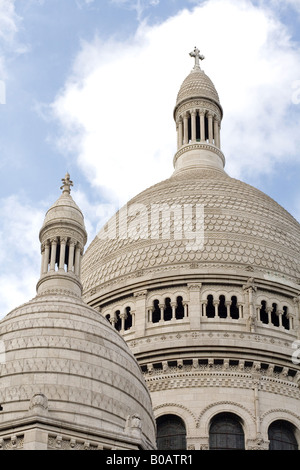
{"x": 123, "y": 317}
{"x": 193, "y": 125}
{"x": 250, "y": 289}
{"x": 269, "y": 312}
{"x": 43, "y": 258}
{"x": 141, "y": 313}
{"x": 240, "y": 307}
{"x": 71, "y": 256}
{"x": 202, "y": 126}
{"x": 133, "y": 318}
{"x": 53, "y": 254}
{"x": 216, "y": 132}
{"x": 194, "y": 305}
{"x": 210, "y": 128}
{"x": 204, "y": 303}
{"x": 180, "y": 132}
{"x": 150, "y": 312}
{"x": 185, "y": 307}
{"x": 228, "y": 303}
{"x": 46, "y": 256}
{"x": 279, "y": 314}
{"x": 173, "y": 305}
{"x": 63, "y": 243}
{"x": 162, "y": 308}
{"x": 77, "y": 260}
{"x": 297, "y": 316}
{"x": 185, "y": 129}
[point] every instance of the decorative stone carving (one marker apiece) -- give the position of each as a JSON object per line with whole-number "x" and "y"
{"x": 39, "y": 401}
{"x": 134, "y": 426}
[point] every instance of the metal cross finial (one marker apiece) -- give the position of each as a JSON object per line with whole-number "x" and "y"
{"x": 67, "y": 183}
{"x": 196, "y": 54}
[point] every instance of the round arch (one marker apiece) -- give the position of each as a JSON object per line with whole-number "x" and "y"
{"x": 171, "y": 432}
{"x": 226, "y": 432}
{"x": 274, "y": 415}
{"x": 246, "y": 417}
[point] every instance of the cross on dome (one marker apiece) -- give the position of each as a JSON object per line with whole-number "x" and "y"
{"x": 67, "y": 183}
{"x": 196, "y": 54}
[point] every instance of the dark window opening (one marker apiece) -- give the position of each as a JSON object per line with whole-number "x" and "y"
{"x": 222, "y": 309}
{"x": 128, "y": 319}
{"x": 206, "y": 128}
{"x": 118, "y": 322}
{"x": 285, "y": 319}
{"x": 234, "y": 310}
{"x": 167, "y": 310}
{"x": 226, "y": 433}
{"x": 281, "y": 435}
{"x": 171, "y": 433}
{"x": 210, "y": 308}
{"x": 263, "y": 312}
{"x": 189, "y": 129}
{"x": 179, "y": 312}
{"x": 198, "y": 128}
{"x": 274, "y": 316}
{"x": 156, "y": 312}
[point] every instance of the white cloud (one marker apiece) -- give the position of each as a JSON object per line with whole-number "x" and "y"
{"x": 139, "y": 6}
{"x": 9, "y": 26}
{"x": 19, "y": 251}
{"x": 20, "y": 254}
{"x": 116, "y": 108}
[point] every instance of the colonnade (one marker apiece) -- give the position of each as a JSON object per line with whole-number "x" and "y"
{"x": 61, "y": 254}
{"x": 237, "y": 312}
{"x": 164, "y": 314}
{"x": 266, "y": 314}
{"x": 198, "y": 125}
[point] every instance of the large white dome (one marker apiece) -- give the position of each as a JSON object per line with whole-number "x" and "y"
{"x": 244, "y": 230}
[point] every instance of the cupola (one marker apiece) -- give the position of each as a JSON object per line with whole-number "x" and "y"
{"x": 63, "y": 237}
{"x": 198, "y": 115}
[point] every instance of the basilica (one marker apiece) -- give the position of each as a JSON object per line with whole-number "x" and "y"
{"x": 179, "y": 326}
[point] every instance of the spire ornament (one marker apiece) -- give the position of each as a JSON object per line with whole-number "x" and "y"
{"x": 67, "y": 183}
{"x": 196, "y": 54}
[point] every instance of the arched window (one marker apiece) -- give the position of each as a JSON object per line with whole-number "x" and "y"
{"x": 171, "y": 433}
{"x": 222, "y": 310}
{"x": 179, "y": 313}
{"x": 274, "y": 316}
{"x": 167, "y": 310}
{"x": 285, "y": 319}
{"x": 234, "y": 310}
{"x": 263, "y": 312}
{"x": 118, "y": 322}
{"x": 156, "y": 311}
{"x": 210, "y": 308}
{"x": 281, "y": 435}
{"x": 226, "y": 433}
{"x": 128, "y": 319}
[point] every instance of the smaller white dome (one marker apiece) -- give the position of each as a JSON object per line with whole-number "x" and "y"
{"x": 64, "y": 361}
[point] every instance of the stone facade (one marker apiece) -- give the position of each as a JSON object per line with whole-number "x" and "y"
{"x": 211, "y": 312}
{"x": 68, "y": 379}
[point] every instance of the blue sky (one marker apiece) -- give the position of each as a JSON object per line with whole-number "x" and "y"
{"x": 89, "y": 86}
